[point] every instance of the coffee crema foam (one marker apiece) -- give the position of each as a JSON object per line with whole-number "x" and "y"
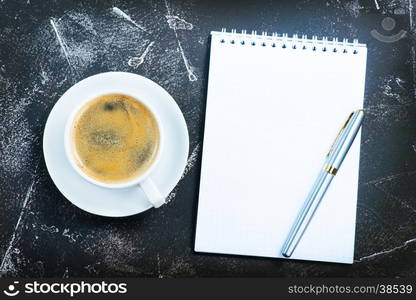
{"x": 115, "y": 138}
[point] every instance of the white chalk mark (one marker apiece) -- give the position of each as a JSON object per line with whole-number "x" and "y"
{"x": 377, "y": 5}
{"x": 159, "y": 273}
{"x": 72, "y": 238}
{"x": 6, "y": 261}
{"x": 83, "y": 20}
{"x": 125, "y": 16}
{"x": 400, "y": 82}
{"x": 189, "y": 68}
{"x": 61, "y": 41}
{"x": 66, "y": 273}
{"x": 411, "y": 14}
{"x": 91, "y": 268}
{"x": 50, "y": 229}
{"x": 388, "y": 251}
{"x": 137, "y": 61}
{"x": 44, "y": 76}
{"x": 191, "y": 161}
{"x": 191, "y": 74}
{"x": 414, "y": 67}
{"x": 177, "y": 23}
{"x": 190, "y": 164}
{"x": 171, "y": 196}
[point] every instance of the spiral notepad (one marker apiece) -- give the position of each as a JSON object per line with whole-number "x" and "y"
{"x": 274, "y": 105}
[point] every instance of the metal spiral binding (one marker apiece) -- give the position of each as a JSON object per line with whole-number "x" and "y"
{"x": 294, "y": 42}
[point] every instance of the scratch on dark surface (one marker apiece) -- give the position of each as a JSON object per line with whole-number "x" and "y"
{"x": 378, "y": 182}
{"x": 375, "y": 214}
{"x": 397, "y": 112}
{"x": 6, "y": 263}
{"x": 388, "y": 251}
{"x": 170, "y": 17}
{"x": 377, "y": 5}
{"x": 403, "y": 203}
{"x": 193, "y": 158}
{"x": 411, "y": 14}
{"x": 125, "y": 16}
{"x": 389, "y": 178}
{"x": 61, "y": 42}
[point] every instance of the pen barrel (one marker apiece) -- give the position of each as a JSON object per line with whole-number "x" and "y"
{"x": 306, "y": 213}
{"x": 343, "y": 146}
{"x": 334, "y": 160}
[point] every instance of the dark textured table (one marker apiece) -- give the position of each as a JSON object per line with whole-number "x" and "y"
{"x": 47, "y": 46}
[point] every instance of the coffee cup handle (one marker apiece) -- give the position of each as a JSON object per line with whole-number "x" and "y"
{"x": 152, "y": 192}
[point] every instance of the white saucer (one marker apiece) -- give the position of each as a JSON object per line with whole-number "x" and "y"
{"x": 115, "y": 202}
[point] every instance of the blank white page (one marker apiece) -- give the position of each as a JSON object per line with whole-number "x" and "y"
{"x": 272, "y": 114}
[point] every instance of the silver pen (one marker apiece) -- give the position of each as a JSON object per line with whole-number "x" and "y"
{"x": 333, "y": 161}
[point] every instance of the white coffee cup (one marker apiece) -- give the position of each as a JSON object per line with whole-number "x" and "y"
{"x": 143, "y": 180}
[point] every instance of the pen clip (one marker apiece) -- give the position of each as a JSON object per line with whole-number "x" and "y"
{"x": 339, "y": 133}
